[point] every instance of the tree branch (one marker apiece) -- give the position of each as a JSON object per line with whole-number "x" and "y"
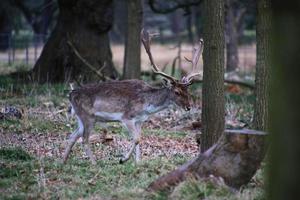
{"x": 91, "y": 67}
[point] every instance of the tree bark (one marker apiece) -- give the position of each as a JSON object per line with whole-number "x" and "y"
{"x": 85, "y": 24}
{"x": 213, "y": 103}
{"x": 235, "y": 158}
{"x": 284, "y": 174}
{"x": 132, "y": 58}
{"x": 263, "y": 28}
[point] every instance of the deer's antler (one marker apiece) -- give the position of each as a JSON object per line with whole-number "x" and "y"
{"x": 196, "y": 56}
{"x": 146, "y": 39}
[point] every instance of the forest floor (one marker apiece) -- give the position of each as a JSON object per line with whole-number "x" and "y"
{"x": 31, "y": 149}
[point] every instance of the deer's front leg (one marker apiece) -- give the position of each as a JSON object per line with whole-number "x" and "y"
{"x": 135, "y": 129}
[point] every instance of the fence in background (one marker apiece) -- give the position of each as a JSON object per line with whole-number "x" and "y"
{"x": 26, "y": 50}
{"x": 16, "y": 50}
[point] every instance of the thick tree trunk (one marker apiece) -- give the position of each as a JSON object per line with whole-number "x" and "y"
{"x": 132, "y": 58}
{"x": 235, "y": 158}
{"x": 85, "y": 24}
{"x": 213, "y": 103}
{"x": 232, "y": 58}
{"x": 263, "y": 37}
{"x": 284, "y": 174}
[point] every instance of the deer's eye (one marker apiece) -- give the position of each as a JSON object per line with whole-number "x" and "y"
{"x": 177, "y": 92}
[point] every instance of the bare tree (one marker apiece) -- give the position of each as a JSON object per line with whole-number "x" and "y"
{"x": 213, "y": 103}
{"x": 235, "y": 13}
{"x": 232, "y": 58}
{"x": 263, "y": 29}
{"x": 132, "y": 58}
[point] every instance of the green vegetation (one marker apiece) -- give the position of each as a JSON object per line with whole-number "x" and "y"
{"x": 23, "y": 177}
{"x": 31, "y": 172}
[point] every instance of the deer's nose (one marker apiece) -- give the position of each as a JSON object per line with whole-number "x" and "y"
{"x": 187, "y": 108}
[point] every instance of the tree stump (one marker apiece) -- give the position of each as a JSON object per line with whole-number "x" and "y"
{"x": 235, "y": 157}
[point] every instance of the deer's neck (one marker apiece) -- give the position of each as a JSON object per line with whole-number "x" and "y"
{"x": 158, "y": 100}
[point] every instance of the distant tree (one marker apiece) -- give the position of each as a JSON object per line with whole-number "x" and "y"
{"x": 232, "y": 58}
{"x": 284, "y": 174}
{"x": 118, "y": 32}
{"x": 235, "y": 13}
{"x": 263, "y": 29}
{"x": 213, "y": 100}
{"x": 165, "y": 7}
{"x": 85, "y": 24}
{"x": 132, "y": 58}
{"x": 39, "y": 14}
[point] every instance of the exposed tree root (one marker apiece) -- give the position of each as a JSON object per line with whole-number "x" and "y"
{"x": 235, "y": 158}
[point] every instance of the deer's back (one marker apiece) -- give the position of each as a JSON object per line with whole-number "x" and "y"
{"x": 112, "y": 96}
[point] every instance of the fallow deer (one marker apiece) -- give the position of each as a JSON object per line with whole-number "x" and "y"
{"x": 130, "y": 102}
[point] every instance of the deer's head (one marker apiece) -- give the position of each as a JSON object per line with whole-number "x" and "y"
{"x": 180, "y": 95}
{"x": 179, "y": 88}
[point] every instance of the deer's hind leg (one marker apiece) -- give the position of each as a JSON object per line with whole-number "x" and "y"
{"x": 73, "y": 138}
{"x": 88, "y": 126}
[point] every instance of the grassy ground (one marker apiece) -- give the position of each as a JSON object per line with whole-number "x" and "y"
{"x": 31, "y": 148}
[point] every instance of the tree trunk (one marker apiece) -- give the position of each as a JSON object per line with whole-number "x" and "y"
{"x": 85, "y": 24}
{"x": 263, "y": 28}
{"x": 132, "y": 58}
{"x": 235, "y": 158}
{"x": 284, "y": 174}
{"x": 213, "y": 103}
{"x": 232, "y": 58}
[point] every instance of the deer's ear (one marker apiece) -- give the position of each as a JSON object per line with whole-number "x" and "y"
{"x": 167, "y": 83}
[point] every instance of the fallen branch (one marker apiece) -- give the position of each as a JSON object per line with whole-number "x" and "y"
{"x": 235, "y": 82}
{"x": 235, "y": 158}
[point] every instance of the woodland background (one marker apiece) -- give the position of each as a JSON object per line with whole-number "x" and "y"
{"x": 251, "y": 46}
